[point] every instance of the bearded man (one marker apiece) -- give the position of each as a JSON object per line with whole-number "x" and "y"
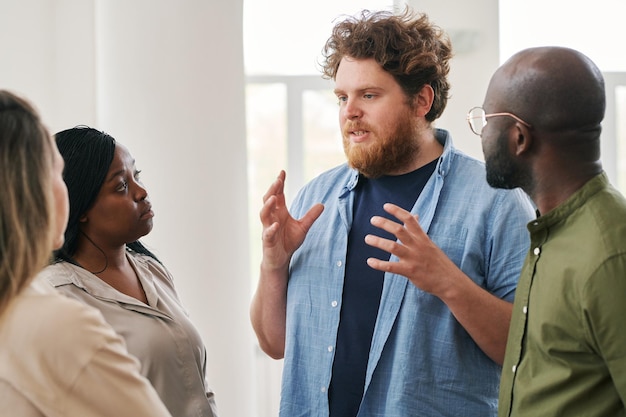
{"x": 541, "y": 125}
{"x": 375, "y": 311}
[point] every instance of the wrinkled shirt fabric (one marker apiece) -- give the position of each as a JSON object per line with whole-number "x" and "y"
{"x": 422, "y": 362}
{"x": 159, "y": 334}
{"x": 566, "y": 351}
{"x": 59, "y": 358}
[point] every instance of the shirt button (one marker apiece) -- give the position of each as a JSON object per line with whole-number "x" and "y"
{"x": 334, "y": 304}
{"x": 330, "y": 348}
{"x": 525, "y": 309}
{"x": 339, "y": 263}
{"x": 537, "y": 251}
{"x": 514, "y": 368}
{"x": 323, "y": 389}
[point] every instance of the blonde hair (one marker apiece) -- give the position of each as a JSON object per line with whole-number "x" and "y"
{"x": 26, "y": 202}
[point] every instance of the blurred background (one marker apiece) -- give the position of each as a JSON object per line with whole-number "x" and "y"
{"x": 213, "y": 98}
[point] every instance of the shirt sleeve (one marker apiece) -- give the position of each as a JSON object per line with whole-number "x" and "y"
{"x": 603, "y": 312}
{"x": 108, "y": 382}
{"x": 508, "y": 242}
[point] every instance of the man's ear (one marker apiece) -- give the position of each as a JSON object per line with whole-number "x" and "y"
{"x": 424, "y": 100}
{"x": 521, "y": 139}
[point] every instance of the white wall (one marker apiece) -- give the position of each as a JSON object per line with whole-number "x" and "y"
{"x": 473, "y": 28}
{"x": 165, "y": 78}
{"x": 42, "y": 58}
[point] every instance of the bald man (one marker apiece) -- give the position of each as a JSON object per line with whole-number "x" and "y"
{"x": 540, "y": 129}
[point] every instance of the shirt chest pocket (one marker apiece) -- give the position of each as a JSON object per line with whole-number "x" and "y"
{"x": 453, "y": 241}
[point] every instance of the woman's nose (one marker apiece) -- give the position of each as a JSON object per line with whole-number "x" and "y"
{"x": 140, "y": 191}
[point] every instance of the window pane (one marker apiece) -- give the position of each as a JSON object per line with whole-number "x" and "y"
{"x": 323, "y": 148}
{"x": 286, "y": 36}
{"x": 266, "y": 115}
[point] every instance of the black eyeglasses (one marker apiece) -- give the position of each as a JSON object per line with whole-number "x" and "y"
{"x": 477, "y": 119}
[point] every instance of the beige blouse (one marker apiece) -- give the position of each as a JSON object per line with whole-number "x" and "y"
{"x": 159, "y": 334}
{"x": 58, "y": 358}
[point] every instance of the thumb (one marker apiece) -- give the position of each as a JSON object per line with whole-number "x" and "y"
{"x": 311, "y": 216}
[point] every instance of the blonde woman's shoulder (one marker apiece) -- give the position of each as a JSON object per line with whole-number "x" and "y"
{"x": 54, "y": 350}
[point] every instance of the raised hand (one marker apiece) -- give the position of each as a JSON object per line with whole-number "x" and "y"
{"x": 485, "y": 317}
{"x": 282, "y": 234}
{"x": 419, "y": 259}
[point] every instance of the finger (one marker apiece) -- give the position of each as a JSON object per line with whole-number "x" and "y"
{"x": 408, "y": 219}
{"x": 277, "y": 188}
{"x": 399, "y": 213}
{"x": 269, "y": 235}
{"x": 313, "y": 214}
{"x": 387, "y": 225}
{"x": 268, "y": 211}
{"x": 385, "y": 266}
{"x": 387, "y": 245}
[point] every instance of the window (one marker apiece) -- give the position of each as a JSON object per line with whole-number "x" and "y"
{"x": 292, "y": 120}
{"x": 292, "y": 117}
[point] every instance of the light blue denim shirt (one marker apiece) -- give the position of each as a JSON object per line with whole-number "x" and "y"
{"x": 422, "y": 361}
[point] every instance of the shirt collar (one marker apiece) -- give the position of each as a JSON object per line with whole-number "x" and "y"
{"x": 573, "y": 203}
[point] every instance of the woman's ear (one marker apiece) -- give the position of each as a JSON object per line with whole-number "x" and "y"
{"x": 83, "y": 219}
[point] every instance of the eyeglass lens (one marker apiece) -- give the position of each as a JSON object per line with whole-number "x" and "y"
{"x": 477, "y": 120}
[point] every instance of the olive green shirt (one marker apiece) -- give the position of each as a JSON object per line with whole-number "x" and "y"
{"x": 566, "y": 351}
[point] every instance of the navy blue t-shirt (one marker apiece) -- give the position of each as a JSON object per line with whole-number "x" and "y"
{"x": 363, "y": 285}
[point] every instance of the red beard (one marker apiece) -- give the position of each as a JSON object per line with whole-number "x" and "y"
{"x": 382, "y": 155}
